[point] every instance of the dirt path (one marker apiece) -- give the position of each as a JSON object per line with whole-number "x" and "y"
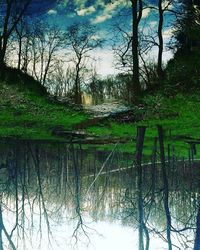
{"x": 106, "y": 109}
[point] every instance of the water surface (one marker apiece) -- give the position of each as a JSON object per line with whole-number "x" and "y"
{"x": 64, "y": 196}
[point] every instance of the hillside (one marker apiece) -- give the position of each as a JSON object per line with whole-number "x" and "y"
{"x": 27, "y": 112}
{"x": 179, "y": 115}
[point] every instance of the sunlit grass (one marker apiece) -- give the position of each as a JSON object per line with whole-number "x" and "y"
{"x": 179, "y": 116}
{"x": 26, "y": 112}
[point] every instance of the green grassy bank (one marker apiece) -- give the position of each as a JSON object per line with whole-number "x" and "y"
{"x": 179, "y": 115}
{"x": 27, "y": 113}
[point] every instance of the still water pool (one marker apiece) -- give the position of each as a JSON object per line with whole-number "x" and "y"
{"x": 65, "y": 196}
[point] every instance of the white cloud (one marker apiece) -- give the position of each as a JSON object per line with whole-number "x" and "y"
{"x": 101, "y": 19}
{"x": 112, "y": 6}
{"x": 79, "y": 3}
{"x": 104, "y": 61}
{"x": 95, "y": 37}
{"x": 152, "y": 24}
{"x": 146, "y": 12}
{"x": 167, "y": 4}
{"x": 86, "y": 11}
{"x": 108, "y": 11}
{"x": 168, "y": 33}
{"x": 52, "y": 12}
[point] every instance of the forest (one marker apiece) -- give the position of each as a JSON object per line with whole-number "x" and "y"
{"x": 53, "y": 86}
{"x": 59, "y": 58}
{"x": 99, "y": 123}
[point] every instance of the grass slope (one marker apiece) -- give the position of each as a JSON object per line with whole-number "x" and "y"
{"x": 179, "y": 115}
{"x": 26, "y": 112}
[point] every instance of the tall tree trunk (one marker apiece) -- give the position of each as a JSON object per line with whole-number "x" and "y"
{"x": 1, "y": 228}
{"x": 166, "y": 186}
{"x": 5, "y": 35}
{"x": 47, "y": 69}
{"x": 160, "y": 38}
{"x": 135, "y": 86}
{"x": 20, "y": 53}
{"x": 138, "y": 163}
{"x": 77, "y": 98}
{"x": 8, "y": 27}
{"x": 197, "y": 237}
{"x": 3, "y": 45}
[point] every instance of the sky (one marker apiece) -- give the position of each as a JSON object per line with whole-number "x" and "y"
{"x": 104, "y": 15}
{"x": 102, "y": 234}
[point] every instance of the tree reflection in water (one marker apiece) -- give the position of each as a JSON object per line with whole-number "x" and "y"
{"x": 43, "y": 185}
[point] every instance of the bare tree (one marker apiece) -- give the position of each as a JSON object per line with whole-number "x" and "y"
{"x": 160, "y": 38}
{"x": 60, "y": 81}
{"x": 128, "y": 51}
{"x": 136, "y": 17}
{"x": 22, "y": 35}
{"x": 11, "y": 12}
{"x": 82, "y": 39}
{"x": 197, "y": 237}
{"x": 39, "y": 49}
{"x": 140, "y": 203}
{"x": 163, "y": 6}
{"x": 165, "y": 187}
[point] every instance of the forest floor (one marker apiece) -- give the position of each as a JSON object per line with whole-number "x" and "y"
{"x": 27, "y": 113}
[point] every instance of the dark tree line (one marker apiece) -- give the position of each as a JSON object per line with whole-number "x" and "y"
{"x": 187, "y": 26}
{"x": 11, "y": 13}
{"x": 183, "y": 70}
{"x": 38, "y": 45}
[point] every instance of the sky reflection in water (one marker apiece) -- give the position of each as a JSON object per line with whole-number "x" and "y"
{"x": 59, "y": 196}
